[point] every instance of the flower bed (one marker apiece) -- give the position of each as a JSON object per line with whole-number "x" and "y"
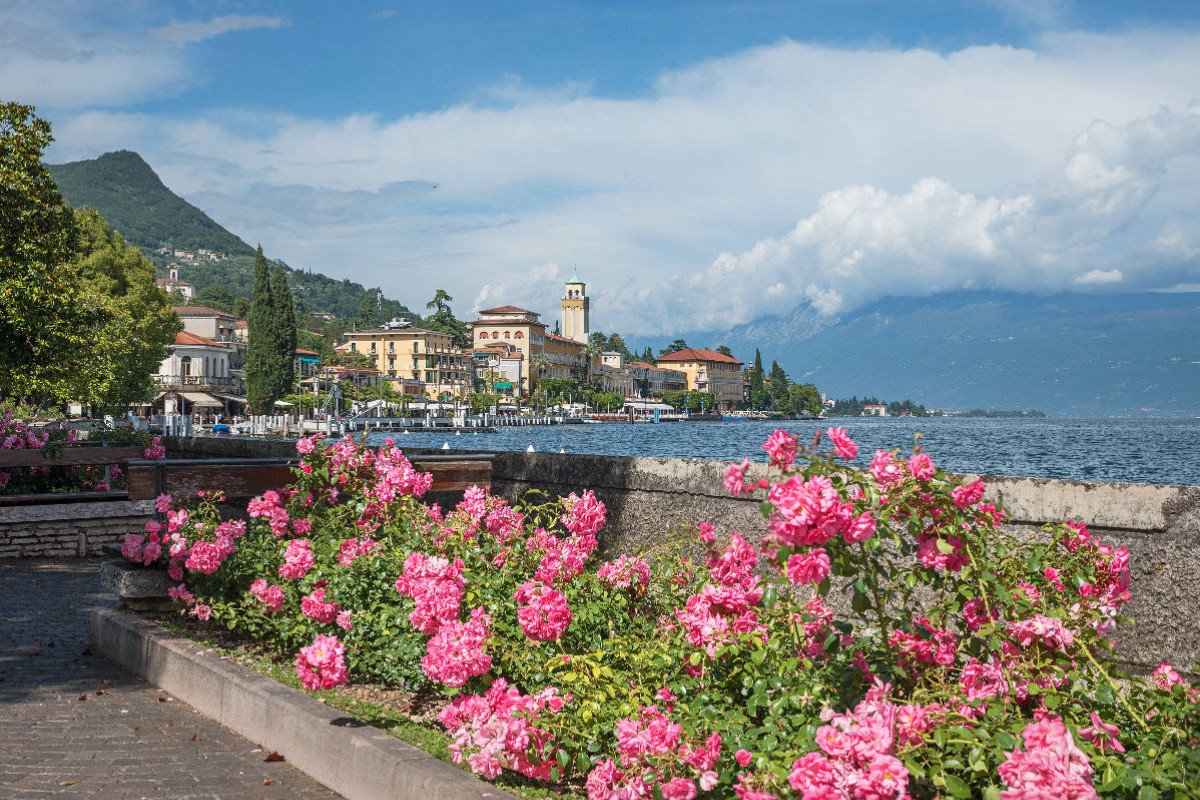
{"x": 968, "y": 662}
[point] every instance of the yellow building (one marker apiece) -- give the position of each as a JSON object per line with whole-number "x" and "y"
{"x": 709, "y": 371}
{"x": 566, "y": 358}
{"x": 417, "y": 354}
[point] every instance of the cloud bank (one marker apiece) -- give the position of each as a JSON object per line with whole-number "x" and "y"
{"x": 744, "y": 185}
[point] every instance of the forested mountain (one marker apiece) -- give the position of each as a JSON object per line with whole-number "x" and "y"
{"x": 132, "y": 198}
{"x": 127, "y": 193}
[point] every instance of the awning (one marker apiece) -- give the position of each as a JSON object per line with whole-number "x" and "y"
{"x": 233, "y": 398}
{"x": 201, "y": 399}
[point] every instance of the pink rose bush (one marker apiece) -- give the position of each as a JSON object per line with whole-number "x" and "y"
{"x": 882, "y": 634}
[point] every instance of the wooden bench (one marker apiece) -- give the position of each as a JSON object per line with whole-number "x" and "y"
{"x": 68, "y": 454}
{"x": 249, "y": 477}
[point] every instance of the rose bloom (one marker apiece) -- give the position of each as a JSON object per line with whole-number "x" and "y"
{"x": 845, "y": 447}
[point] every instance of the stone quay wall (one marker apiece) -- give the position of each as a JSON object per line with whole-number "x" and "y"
{"x": 649, "y": 497}
{"x": 69, "y": 530}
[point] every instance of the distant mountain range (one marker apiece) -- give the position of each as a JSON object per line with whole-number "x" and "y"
{"x": 1069, "y": 355}
{"x": 132, "y": 198}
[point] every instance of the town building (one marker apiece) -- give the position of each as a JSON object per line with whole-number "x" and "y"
{"x": 419, "y": 355}
{"x": 709, "y": 371}
{"x": 197, "y": 377}
{"x": 651, "y": 381}
{"x": 211, "y": 323}
{"x": 519, "y": 327}
{"x": 567, "y": 358}
{"x": 174, "y": 283}
{"x": 875, "y": 410}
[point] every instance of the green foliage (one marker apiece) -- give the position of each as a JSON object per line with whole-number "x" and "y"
{"x": 284, "y": 319}
{"x": 777, "y": 389}
{"x": 690, "y": 401}
{"x": 805, "y": 398}
{"x": 758, "y": 394}
{"x": 122, "y": 353}
{"x": 673, "y": 347}
{"x": 262, "y": 355}
{"x": 216, "y": 296}
{"x": 127, "y": 192}
{"x": 44, "y": 321}
{"x": 444, "y": 321}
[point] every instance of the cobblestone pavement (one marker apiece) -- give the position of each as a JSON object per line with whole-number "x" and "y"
{"x": 77, "y": 725}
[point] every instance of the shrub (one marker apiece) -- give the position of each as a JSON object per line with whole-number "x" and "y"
{"x": 961, "y": 660}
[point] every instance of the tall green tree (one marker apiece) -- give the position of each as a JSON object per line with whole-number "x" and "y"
{"x": 44, "y": 322}
{"x": 648, "y": 356}
{"x": 285, "y": 331}
{"x": 724, "y": 350}
{"x": 758, "y": 395}
{"x": 261, "y": 363}
{"x": 139, "y": 325}
{"x": 777, "y": 388}
{"x": 443, "y": 319}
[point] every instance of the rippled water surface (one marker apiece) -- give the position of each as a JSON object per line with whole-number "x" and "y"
{"x": 1142, "y": 451}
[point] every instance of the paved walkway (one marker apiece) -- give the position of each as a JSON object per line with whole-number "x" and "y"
{"x": 126, "y": 740}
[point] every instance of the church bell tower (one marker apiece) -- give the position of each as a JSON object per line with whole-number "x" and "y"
{"x": 575, "y": 308}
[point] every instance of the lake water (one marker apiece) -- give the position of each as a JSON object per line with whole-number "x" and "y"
{"x": 1140, "y": 451}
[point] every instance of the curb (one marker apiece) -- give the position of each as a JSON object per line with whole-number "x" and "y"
{"x": 350, "y": 757}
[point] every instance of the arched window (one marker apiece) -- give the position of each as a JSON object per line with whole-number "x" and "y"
{"x": 507, "y": 335}
{"x": 185, "y": 365}
{"x": 495, "y": 334}
{"x": 483, "y": 334}
{"x": 518, "y": 335}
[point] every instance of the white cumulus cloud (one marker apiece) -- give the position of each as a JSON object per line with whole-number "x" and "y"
{"x": 1101, "y": 276}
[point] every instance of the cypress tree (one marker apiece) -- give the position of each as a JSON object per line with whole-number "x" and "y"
{"x": 778, "y": 387}
{"x": 758, "y": 397}
{"x": 285, "y": 332}
{"x": 261, "y": 331}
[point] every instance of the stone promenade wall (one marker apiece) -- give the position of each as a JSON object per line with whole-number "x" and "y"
{"x": 57, "y": 530}
{"x": 648, "y": 496}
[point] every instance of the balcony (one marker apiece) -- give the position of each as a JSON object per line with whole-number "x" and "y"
{"x": 197, "y": 381}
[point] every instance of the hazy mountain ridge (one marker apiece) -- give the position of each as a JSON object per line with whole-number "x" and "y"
{"x": 1070, "y": 354}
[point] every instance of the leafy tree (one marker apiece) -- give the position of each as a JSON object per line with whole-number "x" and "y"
{"x": 216, "y": 296}
{"x": 44, "y": 322}
{"x": 261, "y": 354}
{"x": 285, "y": 327}
{"x": 805, "y": 398}
{"x": 673, "y": 347}
{"x": 724, "y": 350}
{"x": 367, "y": 312}
{"x": 139, "y": 325}
{"x": 648, "y": 356}
{"x": 241, "y": 307}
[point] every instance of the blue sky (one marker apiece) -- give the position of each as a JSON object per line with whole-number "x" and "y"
{"x": 702, "y": 163}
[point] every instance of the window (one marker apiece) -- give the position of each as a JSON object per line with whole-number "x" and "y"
{"x": 507, "y": 335}
{"x": 185, "y": 366}
{"x": 372, "y": 348}
{"x": 416, "y": 347}
{"x": 354, "y": 347}
{"x": 391, "y": 347}
{"x": 518, "y": 335}
{"x": 483, "y": 334}
{"x": 495, "y": 334}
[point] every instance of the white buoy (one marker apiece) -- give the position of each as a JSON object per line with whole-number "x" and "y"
{"x": 529, "y": 449}
{"x": 446, "y": 446}
{"x": 406, "y": 433}
{"x": 458, "y": 433}
{"x": 562, "y": 451}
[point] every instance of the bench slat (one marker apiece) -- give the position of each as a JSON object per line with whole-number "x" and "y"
{"x": 251, "y": 477}
{"x": 69, "y": 456}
